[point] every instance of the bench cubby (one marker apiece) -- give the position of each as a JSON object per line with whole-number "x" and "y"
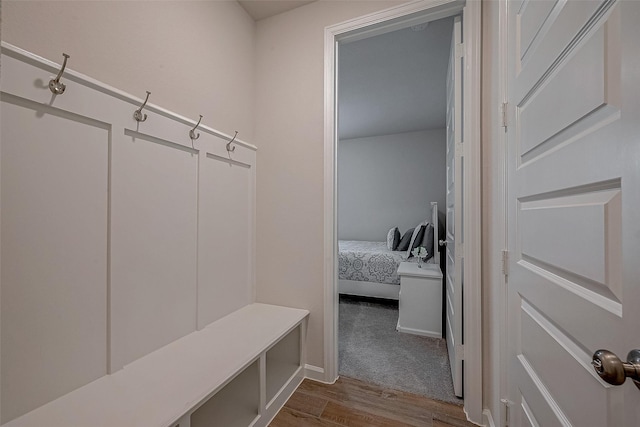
{"x": 282, "y": 362}
{"x": 237, "y": 404}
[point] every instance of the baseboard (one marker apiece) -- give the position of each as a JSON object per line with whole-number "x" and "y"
{"x": 369, "y": 289}
{"x": 314, "y": 373}
{"x": 420, "y": 332}
{"x": 488, "y": 418}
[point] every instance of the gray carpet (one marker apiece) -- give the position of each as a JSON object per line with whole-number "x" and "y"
{"x": 370, "y": 349}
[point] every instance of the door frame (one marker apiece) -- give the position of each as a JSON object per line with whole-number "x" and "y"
{"x": 378, "y": 23}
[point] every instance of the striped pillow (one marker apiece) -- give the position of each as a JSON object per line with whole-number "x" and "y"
{"x": 393, "y": 238}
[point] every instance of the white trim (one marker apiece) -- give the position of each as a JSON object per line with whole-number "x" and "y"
{"x": 314, "y": 373}
{"x": 472, "y": 218}
{"x": 418, "y": 332}
{"x": 488, "y": 418}
{"x": 423, "y": 10}
{"x": 330, "y": 214}
{"x": 69, "y": 74}
{"x": 502, "y": 233}
{"x": 394, "y": 18}
{"x": 108, "y": 361}
{"x": 369, "y": 289}
{"x": 495, "y": 149}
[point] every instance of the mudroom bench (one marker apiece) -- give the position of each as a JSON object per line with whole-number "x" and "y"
{"x": 237, "y": 371}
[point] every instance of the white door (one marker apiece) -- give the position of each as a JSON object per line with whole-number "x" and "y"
{"x": 453, "y": 234}
{"x": 574, "y": 209}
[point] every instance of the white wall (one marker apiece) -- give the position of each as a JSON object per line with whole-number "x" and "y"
{"x": 290, "y": 183}
{"x": 387, "y": 181}
{"x": 196, "y": 57}
{"x": 210, "y": 58}
{"x": 289, "y": 131}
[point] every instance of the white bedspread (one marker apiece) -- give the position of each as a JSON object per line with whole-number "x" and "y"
{"x": 369, "y": 262}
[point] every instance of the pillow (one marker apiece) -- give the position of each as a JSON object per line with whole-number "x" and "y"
{"x": 427, "y": 241}
{"x": 418, "y": 239}
{"x": 406, "y": 239}
{"x": 393, "y": 238}
{"x": 414, "y": 237}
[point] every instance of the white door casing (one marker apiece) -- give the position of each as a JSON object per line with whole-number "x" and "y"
{"x": 573, "y": 209}
{"x": 453, "y": 232}
{"x": 377, "y": 23}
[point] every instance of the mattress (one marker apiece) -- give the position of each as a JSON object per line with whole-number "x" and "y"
{"x": 369, "y": 262}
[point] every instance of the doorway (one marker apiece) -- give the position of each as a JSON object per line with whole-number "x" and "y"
{"x": 400, "y": 17}
{"x": 393, "y": 93}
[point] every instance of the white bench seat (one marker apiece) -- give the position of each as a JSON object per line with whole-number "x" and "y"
{"x": 167, "y": 385}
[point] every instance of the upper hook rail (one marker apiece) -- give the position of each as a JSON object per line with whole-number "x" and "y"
{"x": 138, "y": 115}
{"x": 55, "y": 85}
{"x": 192, "y": 132}
{"x": 229, "y": 149}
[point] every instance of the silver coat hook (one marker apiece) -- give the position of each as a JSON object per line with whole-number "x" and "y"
{"x": 192, "y": 132}
{"x": 138, "y": 115}
{"x": 55, "y": 85}
{"x": 229, "y": 148}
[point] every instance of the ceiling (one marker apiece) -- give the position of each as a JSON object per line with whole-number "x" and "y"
{"x": 261, "y": 9}
{"x": 394, "y": 82}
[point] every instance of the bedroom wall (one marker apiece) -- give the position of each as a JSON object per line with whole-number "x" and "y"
{"x": 289, "y": 131}
{"x": 196, "y": 57}
{"x": 387, "y": 181}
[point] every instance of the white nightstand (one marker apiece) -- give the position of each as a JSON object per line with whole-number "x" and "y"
{"x": 420, "y": 299}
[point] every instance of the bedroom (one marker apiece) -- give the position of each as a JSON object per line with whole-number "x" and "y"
{"x": 392, "y": 180}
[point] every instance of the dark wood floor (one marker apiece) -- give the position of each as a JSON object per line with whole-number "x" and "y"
{"x": 354, "y": 403}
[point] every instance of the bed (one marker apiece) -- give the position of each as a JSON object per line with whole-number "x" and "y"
{"x": 370, "y": 269}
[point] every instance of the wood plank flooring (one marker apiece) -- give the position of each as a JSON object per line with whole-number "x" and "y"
{"x": 354, "y": 403}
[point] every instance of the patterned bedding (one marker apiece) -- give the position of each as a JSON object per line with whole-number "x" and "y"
{"x": 369, "y": 262}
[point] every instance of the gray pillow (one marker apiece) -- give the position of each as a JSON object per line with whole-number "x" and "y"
{"x": 393, "y": 238}
{"x": 418, "y": 239}
{"x": 427, "y": 241}
{"x": 414, "y": 237}
{"x": 406, "y": 239}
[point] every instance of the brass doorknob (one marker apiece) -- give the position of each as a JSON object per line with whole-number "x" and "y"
{"x": 613, "y": 370}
